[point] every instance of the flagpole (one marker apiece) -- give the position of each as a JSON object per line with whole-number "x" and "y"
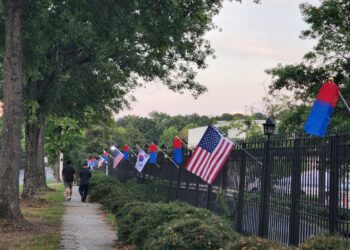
{"x": 142, "y": 150}
{"x": 343, "y": 99}
{"x": 106, "y": 164}
{"x": 184, "y": 143}
{"x": 240, "y": 146}
{"x": 132, "y": 150}
{"x": 170, "y": 158}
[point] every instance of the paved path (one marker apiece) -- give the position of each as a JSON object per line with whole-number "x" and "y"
{"x": 84, "y": 227}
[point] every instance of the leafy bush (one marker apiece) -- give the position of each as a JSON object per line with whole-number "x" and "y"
{"x": 173, "y": 225}
{"x": 113, "y": 194}
{"x": 326, "y": 242}
{"x": 256, "y": 243}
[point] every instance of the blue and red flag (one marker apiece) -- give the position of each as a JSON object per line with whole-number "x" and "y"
{"x": 322, "y": 110}
{"x": 153, "y": 153}
{"x": 177, "y": 150}
{"x": 105, "y": 156}
{"x": 126, "y": 152}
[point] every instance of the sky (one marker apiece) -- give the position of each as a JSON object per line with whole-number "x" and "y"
{"x": 253, "y": 38}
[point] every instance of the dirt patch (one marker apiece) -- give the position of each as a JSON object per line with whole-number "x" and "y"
{"x": 14, "y": 232}
{"x": 123, "y": 246}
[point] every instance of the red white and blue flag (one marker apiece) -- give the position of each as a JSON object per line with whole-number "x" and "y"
{"x": 100, "y": 161}
{"x": 142, "y": 159}
{"x": 118, "y": 156}
{"x": 210, "y": 155}
{"x": 322, "y": 110}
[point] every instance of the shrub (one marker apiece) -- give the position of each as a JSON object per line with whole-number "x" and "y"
{"x": 256, "y": 243}
{"x": 113, "y": 194}
{"x": 146, "y": 222}
{"x": 326, "y": 242}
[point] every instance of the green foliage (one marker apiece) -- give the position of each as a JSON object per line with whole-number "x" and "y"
{"x": 172, "y": 226}
{"x": 326, "y": 242}
{"x": 148, "y": 223}
{"x": 328, "y": 25}
{"x": 167, "y": 137}
{"x": 62, "y": 135}
{"x": 105, "y": 190}
{"x": 256, "y": 243}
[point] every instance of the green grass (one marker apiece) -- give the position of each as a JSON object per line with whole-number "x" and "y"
{"x": 49, "y": 209}
{"x": 45, "y": 241}
{"x": 52, "y": 208}
{"x": 110, "y": 218}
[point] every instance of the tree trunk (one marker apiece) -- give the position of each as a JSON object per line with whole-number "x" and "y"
{"x": 13, "y": 104}
{"x": 41, "y": 180}
{"x": 30, "y": 188}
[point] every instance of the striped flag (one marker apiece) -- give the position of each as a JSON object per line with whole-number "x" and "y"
{"x": 118, "y": 156}
{"x": 100, "y": 161}
{"x": 210, "y": 155}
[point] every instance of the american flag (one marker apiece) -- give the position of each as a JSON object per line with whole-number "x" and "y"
{"x": 210, "y": 155}
{"x": 118, "y": 156}
{"x": 100, "y": 161}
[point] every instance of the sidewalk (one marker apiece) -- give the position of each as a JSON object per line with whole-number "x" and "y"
{"x": 84, "y": 227}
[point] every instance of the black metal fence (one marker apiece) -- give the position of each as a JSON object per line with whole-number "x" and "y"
{"x": 301, "y": 189}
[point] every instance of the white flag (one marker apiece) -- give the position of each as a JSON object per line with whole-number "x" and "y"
{"x": 142, "y": 159}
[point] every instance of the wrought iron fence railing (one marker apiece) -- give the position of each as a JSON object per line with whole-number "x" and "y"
{"x": 302, "y": 189}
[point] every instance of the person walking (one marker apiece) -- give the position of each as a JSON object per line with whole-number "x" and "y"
{"x": 84, "y": 176}
{"x": 69, "y": 176}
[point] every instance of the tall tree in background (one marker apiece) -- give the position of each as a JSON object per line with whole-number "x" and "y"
{"x": 330, "y": 57}
{"x": 90, "y": 54}
{"x": 10, "y": 153}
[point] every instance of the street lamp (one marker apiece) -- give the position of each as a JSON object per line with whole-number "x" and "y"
{"x": 269, "y": 127}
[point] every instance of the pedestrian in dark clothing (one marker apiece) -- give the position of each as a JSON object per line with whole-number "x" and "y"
{"x": 69, "y": 176}
{"x": 84, "y": 175}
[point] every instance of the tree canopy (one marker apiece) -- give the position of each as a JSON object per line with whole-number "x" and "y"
{"x": 330, "y": 58}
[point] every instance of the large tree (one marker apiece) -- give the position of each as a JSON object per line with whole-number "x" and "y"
{"x": 330, "y": 58}
{"x": 11, "y": 132}
{"x": 90, "y": 54}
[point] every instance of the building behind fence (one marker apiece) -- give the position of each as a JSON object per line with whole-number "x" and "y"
{"x": 301, "y": 189}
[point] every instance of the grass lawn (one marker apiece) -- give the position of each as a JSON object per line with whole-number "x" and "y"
{"x": 45, "y": 214}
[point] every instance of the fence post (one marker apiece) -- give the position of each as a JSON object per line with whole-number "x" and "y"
{"x": 265, "y": 192}
{"x": 197, "y": 192}
{"x": 334, "y": 190}
{"x": 240, "y": 206}
{"x": 208, "y": 196}
{"x": 294, "y": 217}
{"x": 178, "y": 183}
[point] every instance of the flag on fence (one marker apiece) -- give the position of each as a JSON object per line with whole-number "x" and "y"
{"x": 210, "y": 155}
{"x": 153, "y": 153}
{"x": 101, "y": 160}
{"x": 105, "y": 156}
{"x": 177, "y": 144}
{"x": 92, "y": 163}
{"x": 118, "y": 156}
{"x": 126, "y": 152}
{"x": 142, "y": 159}
{"x": 322, "y": 110}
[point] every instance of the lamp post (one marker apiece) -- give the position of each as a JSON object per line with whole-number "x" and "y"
{"x": 269, "y": 129}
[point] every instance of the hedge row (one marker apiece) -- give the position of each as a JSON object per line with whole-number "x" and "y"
{"x": 148, "y": 222}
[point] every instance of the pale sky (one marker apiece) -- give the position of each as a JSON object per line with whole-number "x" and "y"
{"x": 254, "y": 37}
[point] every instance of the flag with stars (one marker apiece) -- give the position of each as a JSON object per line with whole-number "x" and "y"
{"x": 118, "y": 156}
{"x": 210, "y": 155}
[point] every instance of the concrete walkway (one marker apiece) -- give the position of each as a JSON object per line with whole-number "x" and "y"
{"x": 84, "y": 227}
